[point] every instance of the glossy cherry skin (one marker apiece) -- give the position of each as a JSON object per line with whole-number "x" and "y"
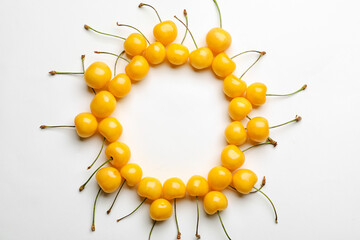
{"x": 165, "y": 32}
{"x": 160, "y": 209}
{"x": 109, "y": 179}
{"x": 234, "y": 87}
{"x": 244, "y": 180}
{"x": 174, "y": 188}
{"x": 137, "y": 68}
{"x": 177, "y": 54}
{"x": 222, "y": 65}
{"x": 232, "y": 157}
{"x": 149, "y": 188}
{"x": 120, "y": 85}
{"x": 132, "y": 173}
{"x": 258, "y": 129}
{"x": 197, "y": 186}
{"x": 120, "y": 154}
{"x": 103, "y": 104}
{"x": 215, "y": 201}
{"x": 85, "y": 124}
{"x": 201, "y": 58}
{"x": 235, "y": 133}
{"x": 219, "y": 178}
{"x": 239, "y": 108}
{"x": 110, "y": 128}
{"x": 256, "y": 94}
{"x": 218, "y": 40}
{"x": 155, "y": 53}
{"x": 135, "y": 44}
{"x": 97, "y": 75}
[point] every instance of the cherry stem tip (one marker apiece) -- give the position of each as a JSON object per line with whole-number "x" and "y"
{"x": 52, "y": 72}
{"x": 185, "y": 12}
{"x": 93, "y": 228}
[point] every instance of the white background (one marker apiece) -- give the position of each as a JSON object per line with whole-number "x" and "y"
{"x": 174, "y": 119}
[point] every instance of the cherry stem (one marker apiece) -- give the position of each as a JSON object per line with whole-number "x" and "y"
{"x": 222, "y": 224}
{"x": 107, "y": 34}
{"x": 83, "y": 62}
{"x": 273, "y": 142}
{"x": 188, "y": 30}
{"x": 93, "y": 217}
{"x": 55, "y": 72}
{"x": 187, "y": 24}
{"x": 289, "y": 94}
{"x": 260, "y": 144}
{"x": 152, "y": 228}
{"x": 125, "y": 25}
{"x": 109, "y": 53}
{"x": 177, "y": 224}
{"x": 132, "y": 211}
{"x": 263, "y": 182}
{"x": 247, "y": 116}
{"x": 296, "y": 119}
{"x": 117, "y": 59}
{"x": 97, "y": 157}
{"x": 272, "y": 204}
{"x": 83, "y": 186}
{"x": 217, "y": 6}
{"x": 248, "y": 51}
{"x": 148, "y": 5}
{"x": 117, "y": 194}
{"x": 58, "y": 126}
{"x": 197, "y": 218}
{"x": 261, "y": 54}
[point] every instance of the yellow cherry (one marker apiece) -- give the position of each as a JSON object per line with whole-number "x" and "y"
{"x": 160, "y": 209}
{"x": 120, "y": 85}
{"x": 197, "y": 186}
{"x": 232, "y": 157}
{"x": 244, "y": 180}
{"x": 119, "y": 153}
{"x": 155, "y": 53}
{"x": 233, "y": 86}
{"x": 219, "y": 178}
{"x": 110, "y": 128}
{"x": 97, "y": 75}
{"x": 215, "y": 201}
{"x": 201, "y": 58}
{"x": 86, "y": 124}
{"x": 258, "y": 129}
{"x": 135, "y": 44}
{"x": 165, "y": 32}
{"x": 137, "y": 68}
{"x": 256, "y": 93}
{"x": 132, "y": 173}
{"x": 222, "y": 65}
{"x": 235, "y": 133}
{"x": 174, "y": 188}
{"x": 218, "y": 40}
{"x": 239, "y": 108}
{"x": 103, "y": 104}
{"x": 109, "y": 179}
{"x": 177, "y": 54}
{"x": 149, "y": 188}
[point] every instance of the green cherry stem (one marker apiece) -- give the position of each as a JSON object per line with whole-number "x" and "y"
{"x": 248, "y": 51}
{"x": 247, "y": 116}
{"x": 272, "y": 204}
{"x": 152, "y": 228}
{"x": 222, "y": 224}
{"x": 106, "y": 34}
{"x": 263, "y": 182}
{"x": 188, "y": 30}
{"x": 97, "y": 157}
{"x": 117, "y": 194}
{"x": 70, "y": 73}
{"x": 126, "y": 25}
{"x": 218, "y": 9}
{"x": 296, "y": 119}
{"x": 83, "y": 186}
{"x": 118, "y": 220}
{"x": 260, "y": 144}
{"x": 58, "y": 126}
{"x": 93, "y": 216}
{"x": 83, "y": 62}
{"x": 187, "y": 24}
{"x": 197, "y": 218}
{"x": 273, "y": 142}
{"x": 261, "y": 54}
{"x": 176, "y": 220}
{"x": 113, "y": 54}
{"x": 148, "y": 5}
{"x": 289, "y": 94}
{"x": 117, "y": 59}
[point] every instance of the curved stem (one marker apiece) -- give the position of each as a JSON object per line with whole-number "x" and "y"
{"x": 117, "y": 59}
{"x": 152, "y": 228}
{"x": 248, "y": 51}
{"x": 222, "y": 224}
{"x": 272, "y": 204}
{"x": 188, "y": 30}
{"x": 106, "y": 34}
{"x": 251, "y": 65}
{"x": 148, "y": 5}
{"x": 284, "y": 95}
{"x": 83, "y": 186}
{"x": 177, "y": 224}
{"x": 132, "y": 211}
{"x": 93, "y": 217}
{"x": 125, "y": 25}
{"x": 217, "y": 6}
{"x": 197, "y": 218}
{"x": 113, "y": 54}
{"x": 117, "y": 194}
{"x": 58, "y": 126}
{"x": 263, "y": 182}
{"x": 187, "y": 24}
{"x": 260, "y": 144}
{"x": 296, "y": 119}
{"x": 97, "y": 157}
